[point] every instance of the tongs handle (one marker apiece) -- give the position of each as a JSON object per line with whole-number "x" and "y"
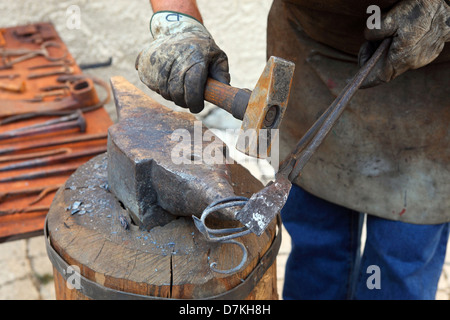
{"x": 308, "y": 144}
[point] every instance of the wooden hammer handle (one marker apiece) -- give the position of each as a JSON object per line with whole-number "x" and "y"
{"x": 228, "y": 98}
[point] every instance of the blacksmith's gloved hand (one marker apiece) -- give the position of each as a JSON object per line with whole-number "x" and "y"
{"x": 419, "y": 30}
{"x": 180, "y": 59}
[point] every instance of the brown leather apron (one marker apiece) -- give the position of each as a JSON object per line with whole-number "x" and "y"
{"x": 389, "y": 153}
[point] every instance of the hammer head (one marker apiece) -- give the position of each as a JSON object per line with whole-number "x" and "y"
{"x": 266, "y": 108}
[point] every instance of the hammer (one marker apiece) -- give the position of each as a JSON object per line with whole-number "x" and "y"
{"x": 260, "y": 110}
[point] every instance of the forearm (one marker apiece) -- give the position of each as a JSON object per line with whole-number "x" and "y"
{"x": 183, "y": 6}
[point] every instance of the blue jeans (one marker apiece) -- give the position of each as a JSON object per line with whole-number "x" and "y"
{"x": 400, "y": 260}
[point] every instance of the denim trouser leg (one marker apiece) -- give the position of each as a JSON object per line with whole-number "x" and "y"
{"x": 400, "y": 260}
{"x": 409, "y": 257}
{"x": 325, "y": 247}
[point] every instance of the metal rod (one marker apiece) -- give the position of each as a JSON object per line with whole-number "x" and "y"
{"x": 41, "y": 191}
{"x": 54, "y": 142}
{"x": 42, "y": 174}
{"x": 24, "y": 210}
{"x": 53, "y": 159}
{"x": 62, "y": 119}
{"x": 33, "y": 155}
{"x": 79, "y": 123}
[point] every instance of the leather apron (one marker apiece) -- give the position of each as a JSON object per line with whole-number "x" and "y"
{"x": 389, "y": 153}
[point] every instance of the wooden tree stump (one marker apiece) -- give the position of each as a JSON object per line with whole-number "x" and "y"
{"x": 170, "y": 261}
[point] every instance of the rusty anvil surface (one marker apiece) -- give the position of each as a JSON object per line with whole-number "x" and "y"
{"x": 141, "y": 172}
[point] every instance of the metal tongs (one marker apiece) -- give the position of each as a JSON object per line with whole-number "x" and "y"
{"x": 262, "y": 207}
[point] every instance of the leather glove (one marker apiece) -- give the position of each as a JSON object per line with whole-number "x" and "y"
{"x": 179, "y": 60}
{"x": 419, "y": 30}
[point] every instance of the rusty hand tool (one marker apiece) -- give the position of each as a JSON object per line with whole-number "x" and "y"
{"x": 57, "y": 72}
{"x": 41, "y": 191}
{"x": 20, "y": 88}
{"x": 263, "y": 206}
{"x": 79, "y": 123}
{"x": 32, "y": 155}
{"x": 82, "y": 94}
{"x": 58, "y": 93}
{"x": 24, "y": 210}
{"x": 65, "y": 118}
{"x": 64, "y": 63}
{"x": 54, "y": 159}
{"x": 9, "y": 76}
{"x": 26, "y": 54}
{"x": 54, "y": 142}
{"x": 35, "y": 33}
{"x": 261, "y": 109}
{"x": 65, "y": 169}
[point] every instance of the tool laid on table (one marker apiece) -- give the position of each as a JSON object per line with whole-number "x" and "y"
{"x": 37, "y": 154}
{"x": 73, "y": 121}
{"x": 56, "y": 72}
{"x": 24, "y": 210}
{"x": 53, "y": 142}
{"x": 64, "y": 169}
{"x": 9, "y": 76}
{"x": 17, "y": 88}
{"x": 57, "y": 94}
{"x": 64, "y": 63}
{"x": 41, "y": 191}
{"x": 33, "y": 155}
{"x": 26, "y": 54}
{"x": 81, "y": 94}
{"x": 91, "y": 151}
{"x": 263, "y": 206}
{"x": 34, "y": 33}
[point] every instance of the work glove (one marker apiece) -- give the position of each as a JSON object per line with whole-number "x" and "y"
{"x": 419, "y": 30}
{"x": 179, "y": 60}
